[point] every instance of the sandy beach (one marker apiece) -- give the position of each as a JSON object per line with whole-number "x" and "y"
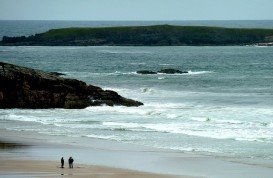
{"x": 22, "y": 155}
{"x": 25, "y": 154}
{"x": 31, "y": 168}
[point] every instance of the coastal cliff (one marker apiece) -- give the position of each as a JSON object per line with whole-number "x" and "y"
{"x": 22, "y": 87}
{"x": 158, "y": 35}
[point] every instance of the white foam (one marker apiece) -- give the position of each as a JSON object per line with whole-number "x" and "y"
{"x": 229, "y": 121}
{"x": 123, "y": 73}
{"x": 166, "y": 64}
{"x": 106, "y": 137}
{"x": 258, "y": 46}
{"x": 124, "y": 110}
{"x": 122, "y": 90}
{"x": 121, "y": 124}
{"x": 140, "y": 63}
{"x": 198, "y": 130}
{"x": 77, "y": 126}
{"x": 147, "y": 90}
{"x": 171, "y": 116}
{"x": 200, "y": 119}
{"x": 92, "y": 74}
{"x": 199, "y": 72}
{"x": 207, "y": 119}
{"x": 191, "y": 149}
{"x": 247, "y": 139}
{"x": 168, "y": 105}
{"x": 124, "y": 52}
{"x": 21, "y": 118}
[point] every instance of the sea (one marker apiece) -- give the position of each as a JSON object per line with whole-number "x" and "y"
{"x": 223, "y": 106}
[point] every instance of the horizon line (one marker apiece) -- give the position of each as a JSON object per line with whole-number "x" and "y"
{"x": 133, "y": 20}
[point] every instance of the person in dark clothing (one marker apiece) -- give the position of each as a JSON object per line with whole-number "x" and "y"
{"x": 62, "y": 162}
{"x": 70, "y": 162}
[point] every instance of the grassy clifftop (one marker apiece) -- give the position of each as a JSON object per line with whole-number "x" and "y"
{"x": 159, "y": 35}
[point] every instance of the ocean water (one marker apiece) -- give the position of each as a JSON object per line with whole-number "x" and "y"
{"x": 223, "y": 106}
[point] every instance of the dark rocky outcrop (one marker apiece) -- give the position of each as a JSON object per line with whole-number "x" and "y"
{"x": 172, "y": 71}
{"x": 22, "y": 87}
{"x": 56, "y": 73}
{"x": 162, "y": 71}
{"x": 146, "y": 72}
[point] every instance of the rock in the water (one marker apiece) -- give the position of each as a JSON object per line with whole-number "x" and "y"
{"x": 146, "y": 72}
{"x": 56, "y": 73}
{"x": 172, "y": 71}
{"x": 22, "y": 87}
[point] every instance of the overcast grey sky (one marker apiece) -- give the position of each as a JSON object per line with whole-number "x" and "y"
{"x": 136, "y": 9}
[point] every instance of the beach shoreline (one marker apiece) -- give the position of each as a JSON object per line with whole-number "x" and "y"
{"x": 43, "y": 150}
{"x": 35, "y": 168}
{"x": 23, "y": 154}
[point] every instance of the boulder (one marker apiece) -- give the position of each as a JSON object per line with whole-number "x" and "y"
{"x": 146, "y": 72}
{"x": 22, "y": 87}
{"x": 172, "y": 71}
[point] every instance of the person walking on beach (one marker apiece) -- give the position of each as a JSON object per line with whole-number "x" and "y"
{"x": 62, "y": 162}
{"x": 70, "y": 162}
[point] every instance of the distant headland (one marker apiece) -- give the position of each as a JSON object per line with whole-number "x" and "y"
{"x": 158, "y": 35}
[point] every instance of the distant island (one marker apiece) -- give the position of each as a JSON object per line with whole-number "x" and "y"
{"x": 158, "y": 35}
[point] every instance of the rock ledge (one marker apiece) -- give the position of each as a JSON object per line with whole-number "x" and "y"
{"x": 22, "y": 87}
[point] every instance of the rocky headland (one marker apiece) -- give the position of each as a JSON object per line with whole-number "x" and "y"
{"x": 22, "y": 87}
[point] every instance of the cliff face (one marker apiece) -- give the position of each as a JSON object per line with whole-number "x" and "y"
{"x": 22, "y": 87}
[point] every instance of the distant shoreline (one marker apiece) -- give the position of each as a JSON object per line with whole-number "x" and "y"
{"x": 157, "y": 35}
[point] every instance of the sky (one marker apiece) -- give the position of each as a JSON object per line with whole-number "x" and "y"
{"x": 136, "y": 10}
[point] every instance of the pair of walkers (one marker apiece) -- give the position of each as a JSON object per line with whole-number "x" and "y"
{"x": 70, "y": 162}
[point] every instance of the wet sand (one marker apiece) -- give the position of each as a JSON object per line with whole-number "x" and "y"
{"x": 28, "y": 154}
{"x": 32, "y": 168}
{"x": 18, "y": 159}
